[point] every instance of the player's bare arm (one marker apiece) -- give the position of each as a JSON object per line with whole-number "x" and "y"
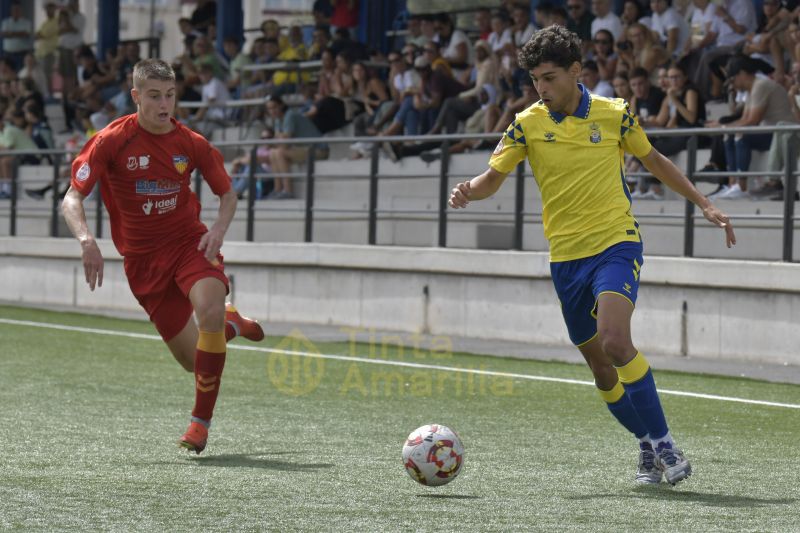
{"x": 666, "y": 172}
{"x": 477, "y": 188}
{"x": 211, "y": 242}
{"x": 75, "y": 216}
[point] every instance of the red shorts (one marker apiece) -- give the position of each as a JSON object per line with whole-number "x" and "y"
{"x": 161, "y": 283}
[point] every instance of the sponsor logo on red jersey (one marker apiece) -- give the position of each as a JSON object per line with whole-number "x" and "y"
{"x": 161, "y": 187}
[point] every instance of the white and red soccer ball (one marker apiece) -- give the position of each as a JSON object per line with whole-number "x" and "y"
{"x": 433, "y": 455}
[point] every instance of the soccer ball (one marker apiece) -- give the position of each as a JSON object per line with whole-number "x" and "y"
{"x": 433, "y": 455}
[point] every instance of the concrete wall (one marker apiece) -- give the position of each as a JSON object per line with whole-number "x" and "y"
{"x": 734, "y": 309}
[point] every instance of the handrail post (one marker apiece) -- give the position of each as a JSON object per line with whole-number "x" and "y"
{"x": 54, "y": 214}
{"x": 12, "y": 230}
{"x": 198, "y": 186}
{"x": 688, "y": 215}
{"x": 372, "y": 232}
{"x": 519, "y": 206}
{"x": 309, "y": 226}
{"x": 98, "y": 212}
{"x": 444, "y": 192}
{"x": 790, "y": 187}
{"x": 251, "y": 194}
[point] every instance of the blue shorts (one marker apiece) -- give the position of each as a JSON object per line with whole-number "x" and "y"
{"x": 580, "y": 282}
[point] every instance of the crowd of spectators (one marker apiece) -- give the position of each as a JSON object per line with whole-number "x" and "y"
{"x": 669, "y": 61}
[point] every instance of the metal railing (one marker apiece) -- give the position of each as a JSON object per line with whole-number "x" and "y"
{"x": 443, "y": 176}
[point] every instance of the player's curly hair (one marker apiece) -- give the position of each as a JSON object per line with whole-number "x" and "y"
{"x": 554, "y": 44}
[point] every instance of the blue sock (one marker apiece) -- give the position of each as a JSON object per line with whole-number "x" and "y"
{"x": 621, "y": 407}
{"x": 637, "y": 378}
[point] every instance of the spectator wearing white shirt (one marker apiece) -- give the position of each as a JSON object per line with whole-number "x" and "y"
{"x": 502, "y": 35}
{"x": 605, "y": 19}
{"x": 523, "y": 28}
{"x": 455, "y": 47}
{"x": 590, "y": 78}
{"x": 17, "y": 34}
{"x": 671, "y": 28}
{"x": 733, "y": 21}
{"x": 215, "y": 95}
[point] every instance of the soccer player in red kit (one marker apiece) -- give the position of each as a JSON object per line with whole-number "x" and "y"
{"x": 143, "y": 163}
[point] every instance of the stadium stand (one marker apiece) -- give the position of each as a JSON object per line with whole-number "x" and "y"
{"x": 311, "y": 68}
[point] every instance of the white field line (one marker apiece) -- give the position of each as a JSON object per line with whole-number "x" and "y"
{"x": 404, "y": 364}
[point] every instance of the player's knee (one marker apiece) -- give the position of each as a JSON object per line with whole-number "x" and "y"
{"x": 210, "y": 316}
{"x": 615, "y": 343}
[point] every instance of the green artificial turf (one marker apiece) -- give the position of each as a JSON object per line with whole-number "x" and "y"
{"x": 88, "y": 425}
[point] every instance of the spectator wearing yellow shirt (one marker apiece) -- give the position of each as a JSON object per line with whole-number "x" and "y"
{"x": 46, "y": 44}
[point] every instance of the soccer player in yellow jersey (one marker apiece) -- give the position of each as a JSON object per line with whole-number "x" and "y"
{"x": 575, "y": 143}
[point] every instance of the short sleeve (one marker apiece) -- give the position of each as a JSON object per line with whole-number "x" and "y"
{"x": 632, "y": 137}
{"x": 90, "y": 164}
{"x": 511, "y": 150}
{"x": 212, "y": 166}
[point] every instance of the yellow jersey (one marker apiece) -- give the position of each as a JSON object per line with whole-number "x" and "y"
{"x": 578, "y": 163}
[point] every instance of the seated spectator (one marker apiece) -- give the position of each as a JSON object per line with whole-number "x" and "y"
{"x": 502, "y": 34}
{"x": 372, "y": 96}
{"x": 325, "y": 75}
{"x": 764, "y": 41}
{"x": 215, "y": 95}
{"x": 237, "y": 60}
{"x": 204, "y": 15}
{"x": 734, "y": 19}
{"x": 541, "y": 14}
{"x": 437, "y": 87}
{"x": 559, "y": 16}
{"x": 483, "y": 22}
{"x": 406, "y": 83}
{"x": 320, "y": 42}
{"x": 335, "y": 110}
{"x": 767, "y": 103}
{"x": 38, "y": 128}
{"x": 455, "y": 47}
{"x": 415, "y": 35}
{"x": 528, "y": 96}
{"x": 523, "y": 29}
{"x": 646, "y": 101}
{"x": 14, "y": 137}
{"x": 671, "y": 28}
{"x": 605, "y": 19}
{"x": 240, "y": 170}
{"x": 34, "y": 71}
{"x": 604, "y": 55}
{"x": 580, "y": 22}
{"x": 288, "y": 123}
{"x": 460, "y": 107}
{"x": 622, "y": 87}
{"x": 777, "y": 156}
{"x": 632, "y": 12}
{"x": 640, "y": 50}
{"x": 682, "y": 108}
{"x": 590, "y": 77}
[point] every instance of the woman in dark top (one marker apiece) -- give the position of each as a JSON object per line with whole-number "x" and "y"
{"x": 683, "y": 107}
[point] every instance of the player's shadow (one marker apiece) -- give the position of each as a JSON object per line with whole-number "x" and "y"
{"x": 257, "y": 460}
{"x": 664, "y": 492}
{"x": 449, "y": 496}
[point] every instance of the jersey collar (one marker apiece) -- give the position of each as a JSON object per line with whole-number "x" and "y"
{"x": 583, "y": 107}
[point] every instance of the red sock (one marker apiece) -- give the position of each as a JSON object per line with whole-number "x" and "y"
{"x": 208, "y": 365}
{"x": 230, "y": 331}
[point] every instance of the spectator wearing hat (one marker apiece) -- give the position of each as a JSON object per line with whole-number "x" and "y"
{"x": 766, "y": 103}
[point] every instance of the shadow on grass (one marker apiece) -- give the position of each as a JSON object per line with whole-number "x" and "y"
{"x": 256, "y": 460}
{"x": 665, "y": 492}
{"x": 449, "y": 496}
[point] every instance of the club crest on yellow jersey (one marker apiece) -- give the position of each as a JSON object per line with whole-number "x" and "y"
{"x": 594, "y": 133}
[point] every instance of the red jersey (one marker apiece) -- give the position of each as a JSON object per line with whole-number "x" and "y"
{"x": 145, "y": 182}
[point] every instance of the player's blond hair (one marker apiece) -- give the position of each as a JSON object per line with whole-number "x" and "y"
{"x": 152, "y": 69}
